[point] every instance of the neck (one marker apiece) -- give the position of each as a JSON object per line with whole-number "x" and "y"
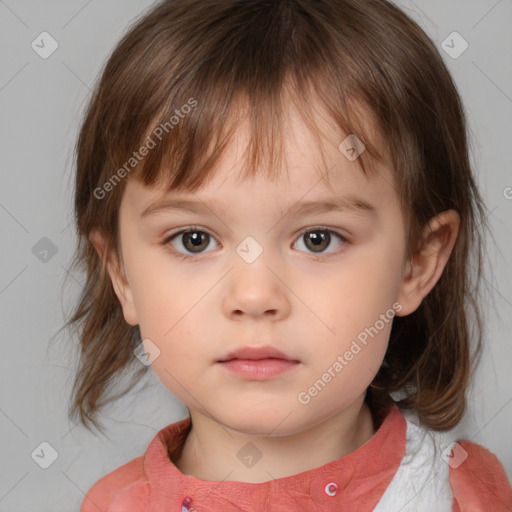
{"x": 214, "y": 452}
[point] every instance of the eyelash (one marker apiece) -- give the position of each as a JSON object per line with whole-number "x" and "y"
{"x": 188, "y": 229}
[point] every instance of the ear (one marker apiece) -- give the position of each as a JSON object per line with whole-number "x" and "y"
{"x": 117, "y": 276}
{"x": 428, "y": 263}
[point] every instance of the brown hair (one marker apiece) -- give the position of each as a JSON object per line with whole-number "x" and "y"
{"x": 342, "y": 53}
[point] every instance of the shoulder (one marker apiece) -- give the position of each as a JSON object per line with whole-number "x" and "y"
{"x": 107, "y": 489}
{"x": 128, "y": 487}
{"x": 478, "y": 480}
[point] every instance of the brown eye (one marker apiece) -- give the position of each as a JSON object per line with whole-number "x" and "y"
{"x": 195, "y": 241}
{"x": 190, "y": 242}
{"x": 317, "y": 240}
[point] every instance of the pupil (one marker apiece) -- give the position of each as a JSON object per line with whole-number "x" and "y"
{"x": 318, "y": 240}
{"x": 196, "y": 238}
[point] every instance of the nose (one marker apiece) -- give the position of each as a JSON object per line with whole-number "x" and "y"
{"x": 256, "y": 290}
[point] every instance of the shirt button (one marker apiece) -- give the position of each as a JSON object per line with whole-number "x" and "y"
{"x": 331, "y": 489}
{"x": 185, "y": 502}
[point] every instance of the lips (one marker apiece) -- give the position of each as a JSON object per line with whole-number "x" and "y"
{"x": 257, "y": 363}
{"x": 255, "y": 353}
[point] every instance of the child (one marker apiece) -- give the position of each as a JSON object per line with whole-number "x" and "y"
{"x": 317, "y": 325}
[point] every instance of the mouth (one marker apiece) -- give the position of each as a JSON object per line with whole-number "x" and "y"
{"x": 257, "y": 363}
{"x": 256, "y": 353}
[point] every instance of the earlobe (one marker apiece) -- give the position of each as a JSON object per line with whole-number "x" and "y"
{"x": 117, "y": 275}
{"x": 429, "y": 261}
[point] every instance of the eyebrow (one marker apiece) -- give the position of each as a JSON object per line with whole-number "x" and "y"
{"x": 348, "y": 203}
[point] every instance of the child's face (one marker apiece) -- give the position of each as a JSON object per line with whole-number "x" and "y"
{"x": 315, "y": 311}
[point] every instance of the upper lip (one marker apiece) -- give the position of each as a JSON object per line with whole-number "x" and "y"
{"x": 248, "y": 352}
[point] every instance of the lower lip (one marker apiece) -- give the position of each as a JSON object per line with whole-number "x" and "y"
{"x": 258, "y": 369}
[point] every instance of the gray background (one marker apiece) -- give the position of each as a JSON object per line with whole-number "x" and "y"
{"x": 41, "y": 101}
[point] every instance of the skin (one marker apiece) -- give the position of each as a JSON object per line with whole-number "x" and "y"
{"x": 197, "y": 310}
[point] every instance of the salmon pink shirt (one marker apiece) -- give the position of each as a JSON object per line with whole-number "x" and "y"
{"x": 403, "y": 467}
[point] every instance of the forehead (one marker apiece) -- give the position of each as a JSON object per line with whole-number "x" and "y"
{"x": 316, "y": 174}
{"x": 316, "y": 162}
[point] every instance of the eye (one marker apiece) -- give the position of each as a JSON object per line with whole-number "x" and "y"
{"x": 319, "y": 238}
{"x": 192, "y": 240}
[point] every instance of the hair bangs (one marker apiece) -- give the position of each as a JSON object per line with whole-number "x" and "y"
{"x": 186, "y": 157}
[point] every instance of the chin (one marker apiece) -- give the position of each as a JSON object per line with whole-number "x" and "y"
{"x": 262, "y": 423}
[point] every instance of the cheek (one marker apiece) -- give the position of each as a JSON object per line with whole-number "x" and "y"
{"x": 172, "y": 312}
{"x": 161, "y": 292}
{"x": 356, "y": 293}
{"x": 342, "y": 365}
{"x": 355, "y": 307}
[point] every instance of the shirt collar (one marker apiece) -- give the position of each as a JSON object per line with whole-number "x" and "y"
{"x": 360, "y": 477}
